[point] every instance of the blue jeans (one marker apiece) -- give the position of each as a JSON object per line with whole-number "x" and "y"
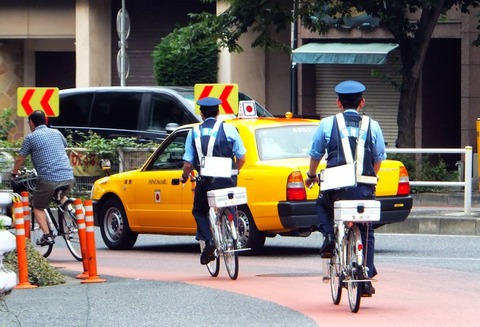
{"x": 325, "y": 207}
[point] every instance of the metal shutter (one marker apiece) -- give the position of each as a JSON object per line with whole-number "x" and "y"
{"x": 381, "y": 97}
{"x": 150, "y": 21}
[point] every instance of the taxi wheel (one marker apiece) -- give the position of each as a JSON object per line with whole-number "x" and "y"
{"x": 250, "y": 236}
{"x": 116, "y": 232}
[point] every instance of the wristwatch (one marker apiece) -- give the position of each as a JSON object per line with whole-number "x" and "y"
{"x": 311, "y": 176}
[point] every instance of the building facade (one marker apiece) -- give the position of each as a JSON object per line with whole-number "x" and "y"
{"x": 74, "y": 43}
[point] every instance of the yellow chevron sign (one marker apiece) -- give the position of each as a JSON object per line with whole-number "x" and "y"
{"x": 228, "y": 93}
{"x": 37, "y": 98}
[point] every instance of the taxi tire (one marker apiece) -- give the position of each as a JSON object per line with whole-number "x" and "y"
{"x": 114, "y": 227}
{"x": 255, "y": 239}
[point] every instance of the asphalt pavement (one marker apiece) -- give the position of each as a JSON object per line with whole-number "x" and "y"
{"x": 133, "y": 302}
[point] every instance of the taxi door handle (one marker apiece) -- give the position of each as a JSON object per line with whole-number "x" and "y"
{"x": 176, "y": 181}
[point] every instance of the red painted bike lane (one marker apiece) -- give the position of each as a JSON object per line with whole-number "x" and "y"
{"x": 415, "y": 296}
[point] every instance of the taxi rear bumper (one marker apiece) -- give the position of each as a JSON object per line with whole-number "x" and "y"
{"x": 302, "y": 214}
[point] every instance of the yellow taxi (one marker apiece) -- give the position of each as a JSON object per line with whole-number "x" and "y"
{"x": 151, "y": 200}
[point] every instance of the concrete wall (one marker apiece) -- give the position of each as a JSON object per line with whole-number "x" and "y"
{"x": 11, "y": 77}
{"x": 93, "y": 43}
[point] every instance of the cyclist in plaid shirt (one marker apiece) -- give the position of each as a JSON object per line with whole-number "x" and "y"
{"x": 46, "y": 147}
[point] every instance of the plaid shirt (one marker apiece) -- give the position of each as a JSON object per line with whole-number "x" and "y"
{"x": 46, "y": 147}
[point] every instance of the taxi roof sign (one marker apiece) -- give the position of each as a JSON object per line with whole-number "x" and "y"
{"x": 228, "y": 93}
{"x": 45, "y": 99}
{"x": 247, "y": 109}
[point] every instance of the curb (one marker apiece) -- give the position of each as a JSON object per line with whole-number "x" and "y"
{"x": 439, "y": 213}
{"x": 442, "y": 225}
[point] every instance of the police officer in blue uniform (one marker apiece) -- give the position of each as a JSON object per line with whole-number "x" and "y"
{"x": 328, "y": 141}
{"x": 227, "y": 144}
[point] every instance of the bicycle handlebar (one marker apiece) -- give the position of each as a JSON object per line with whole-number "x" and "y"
{"x": 26, "y": 178}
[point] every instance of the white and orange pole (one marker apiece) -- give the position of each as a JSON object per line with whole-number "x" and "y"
{"x": 21, "y": 247}
{"x": 26, "y": 212}
{"x": 91, "y": 249}
{"x": 82, "y": 235}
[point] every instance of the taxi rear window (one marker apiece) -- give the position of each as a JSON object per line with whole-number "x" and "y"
{"x": 284, "y": 142}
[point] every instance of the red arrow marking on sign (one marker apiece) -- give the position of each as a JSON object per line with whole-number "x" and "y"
{"x": 205, "y": 92}
{"x": 45, "y": 105}
{"x": 224, "y": 97}
{"x": 26, "y": 101}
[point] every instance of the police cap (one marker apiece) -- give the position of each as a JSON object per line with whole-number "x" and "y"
{"x": 349, "y": 87}
{"x": 209, "y": 102}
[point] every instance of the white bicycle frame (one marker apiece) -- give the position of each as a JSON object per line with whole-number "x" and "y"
{"x": 341, "y": 243}
{"x": 214, "y": 223}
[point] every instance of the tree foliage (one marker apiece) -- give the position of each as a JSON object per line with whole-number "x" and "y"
{"x": 187, "y": 56}
{"x": 410, "y": 22}
{"x": 6, "y": 123}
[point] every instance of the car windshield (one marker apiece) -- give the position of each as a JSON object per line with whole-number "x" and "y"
{"x": 284, "y": 142}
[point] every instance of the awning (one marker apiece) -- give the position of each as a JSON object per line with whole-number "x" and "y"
{"x": 343, "y": 53}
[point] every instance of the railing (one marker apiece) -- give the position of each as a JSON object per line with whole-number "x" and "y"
{"x": 129, "y": 158}
{"x": 466, "y": 184}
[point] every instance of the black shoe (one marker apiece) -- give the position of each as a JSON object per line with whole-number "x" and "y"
{"x": 46, "y": 239}
{"x": 368, "y": 289}
{"x": 208, "y": 252}
{"x": 328, "y": 246}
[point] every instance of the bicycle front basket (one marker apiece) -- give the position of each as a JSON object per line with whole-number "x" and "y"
{"x": 23, "y": 183}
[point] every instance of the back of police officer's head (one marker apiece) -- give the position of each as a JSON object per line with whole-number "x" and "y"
{"x": 37, "y": 118}
{"x": 209, "y": 106}
{"x": 350, "y": 94}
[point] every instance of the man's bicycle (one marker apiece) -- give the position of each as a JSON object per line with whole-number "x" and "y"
{"x": 223, "y": 216}
{"x": 63, "y": 223}
{"x": 347, "y": 266}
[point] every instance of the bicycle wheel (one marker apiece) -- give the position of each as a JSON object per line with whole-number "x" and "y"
{"x": 355, "y": 274}
{"x": 35, "y": 234}
{"x": 213, "y": 267}
{"x": 229, "y": 246}
{"x": 70, "y": 229}
{"x": 335, "y": 277}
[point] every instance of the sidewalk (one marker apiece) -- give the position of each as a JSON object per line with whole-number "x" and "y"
{"x": 439, "y": 213}
{"x": 125, "y": 302}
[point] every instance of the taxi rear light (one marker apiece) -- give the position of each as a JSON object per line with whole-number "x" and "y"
{"x": 296, "y": 187}
{"x": 403, "y": 182}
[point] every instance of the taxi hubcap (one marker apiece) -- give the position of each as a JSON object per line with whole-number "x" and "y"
{"x": 113, "y": 224}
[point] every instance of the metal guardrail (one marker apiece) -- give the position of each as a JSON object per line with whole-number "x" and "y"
{"x": 467, "y": 181}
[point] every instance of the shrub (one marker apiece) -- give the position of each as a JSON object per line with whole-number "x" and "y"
{"x": 6, "y": 123}
{"x": 427, "y": 168}
{"x": 40, "y": 272}
{"x": 186, "y": 56}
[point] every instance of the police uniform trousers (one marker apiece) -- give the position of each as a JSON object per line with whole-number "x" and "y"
{"x": 200, "y": 202}
{"x": 325, "y": 212}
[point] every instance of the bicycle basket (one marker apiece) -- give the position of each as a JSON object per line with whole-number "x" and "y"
{"x": 24, "y": 182}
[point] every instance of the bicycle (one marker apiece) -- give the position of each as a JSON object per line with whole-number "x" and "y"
{"x": 64, "y": 223}
{"x": 222, "y": 215}
{"x": 347, "y": 266}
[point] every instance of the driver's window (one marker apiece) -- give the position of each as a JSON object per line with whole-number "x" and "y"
{"x": 171, "y": 158}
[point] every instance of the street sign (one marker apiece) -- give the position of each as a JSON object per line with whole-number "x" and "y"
{"x": 228, "y": 93}
{"x": 123, "y": 31}
{"x": 37, "y": 98}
